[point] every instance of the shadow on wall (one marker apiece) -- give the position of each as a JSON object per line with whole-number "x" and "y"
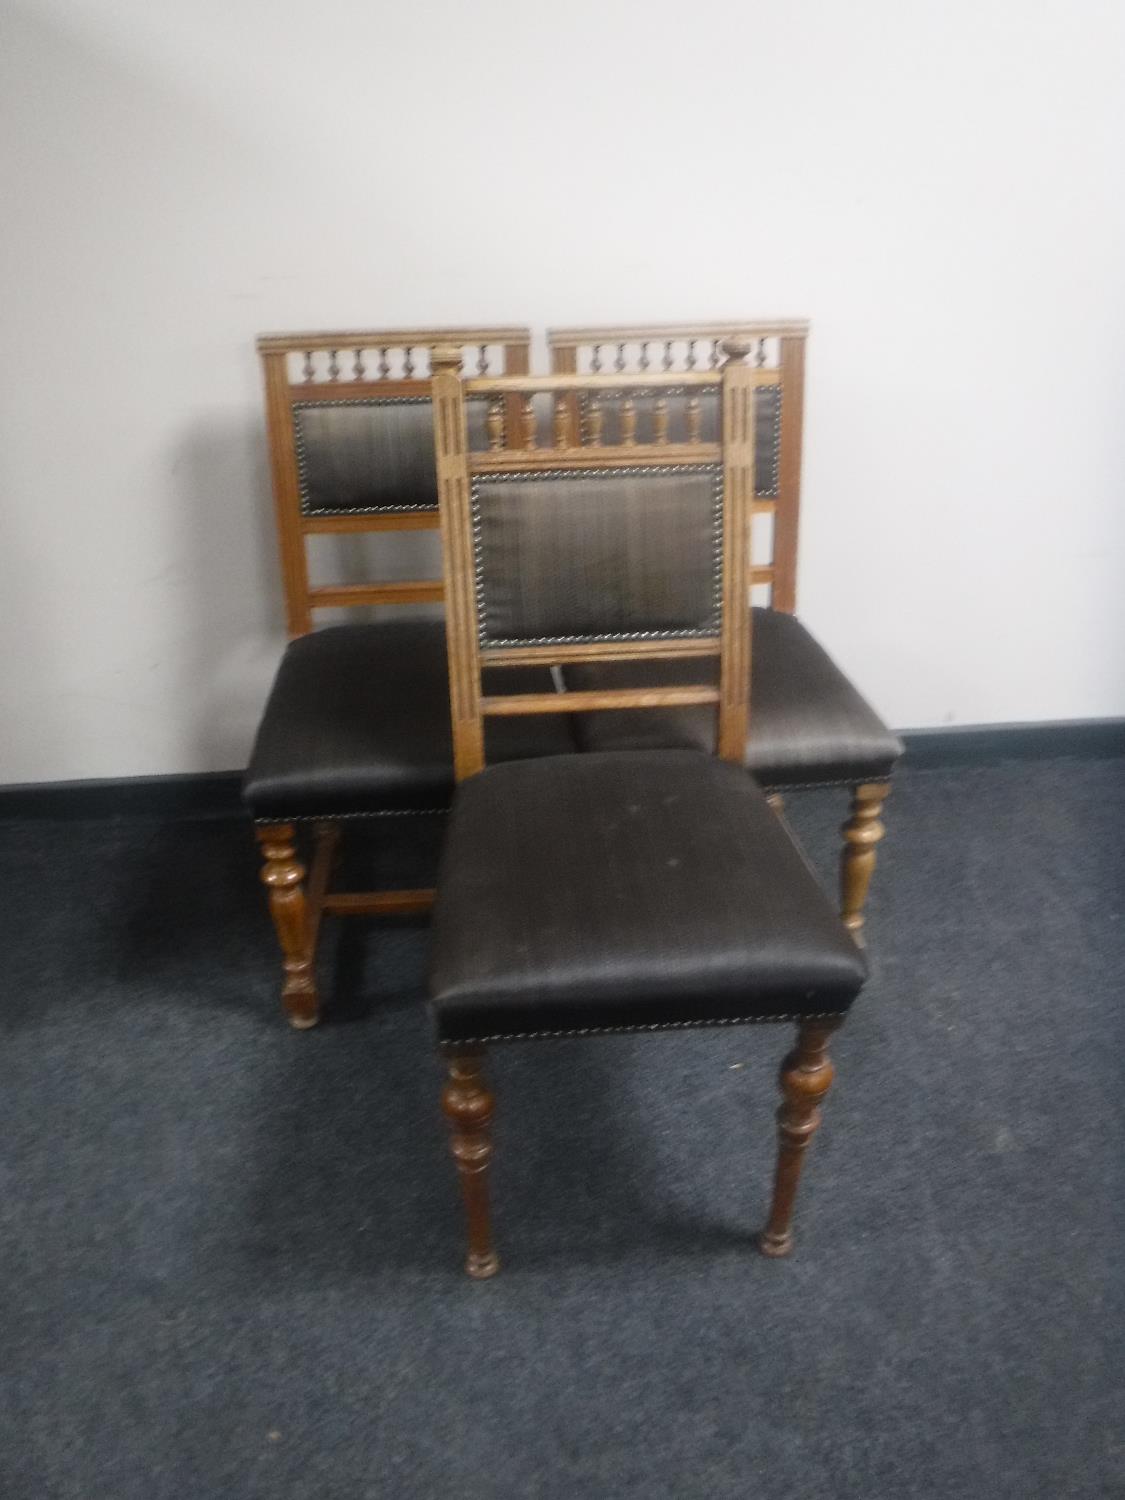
{"x": 231, "y": 604}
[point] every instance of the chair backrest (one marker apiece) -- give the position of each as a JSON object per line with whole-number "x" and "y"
{"x": 779, "y": 413}
{"x": 559, "y": 545}
{"x": 351, "y": 445}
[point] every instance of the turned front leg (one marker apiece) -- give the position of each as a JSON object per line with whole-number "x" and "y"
{"x": 862, "y": 832}
{"x": 806, "y": 1076}
{"x": 469, "y": 1106}
{"x": 283, "y": 875}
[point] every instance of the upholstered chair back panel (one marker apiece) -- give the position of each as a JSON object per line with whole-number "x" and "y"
{"x": 370, "y": 456}
{"x": 598, "y": 554}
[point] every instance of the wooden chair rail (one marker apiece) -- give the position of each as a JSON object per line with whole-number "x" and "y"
{"x": 560, "y": 703}
{"x": 522, "y": 656}
{"x": 377, "y": 903}
{"x": 583, "y": 455}
{"x": 415, "y": 520}
{"x": 640, "y": 333}
{"x": 311, "y": 393}
{"x": 508, "y": 385}
{"x": 350, "y": 595}
{"x": 388, "y": 338}
{"x": 321, "y": 902}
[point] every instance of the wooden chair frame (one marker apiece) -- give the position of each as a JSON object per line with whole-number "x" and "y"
{"x": 467, "y": 1101}
{"x": 298, "y": 896}
{"x": 664, "y": 344}
{"x": 576, "y": 447}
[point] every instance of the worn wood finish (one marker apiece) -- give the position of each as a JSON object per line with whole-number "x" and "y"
{"x": 862, "y": 832}
{"x": 806, "y": 1077}
{"x": 287, "y": 495}
{"x": 517, "y": 361}
{"x": 390, "y": 338}
{"x": 412, "y": 591}
{"x": 515, "y": 704}
{"x": 469, "y": 1106}
{"x": 500, "y": 385}
{"x": 312, "y": 394}
{"x": 566, "y": 342}
{"x": 283, "y": 875}
{"x": 451, "y": 447}
{"x": 787, "y": 517}
{"x": 603, "y": 457}
{"x": 522, "y": 656}
{"x": 377, "y": 903}
{"x": 413, "y": 520}
{"x": 326, "y": 845}
{"x": 738, "y": 495}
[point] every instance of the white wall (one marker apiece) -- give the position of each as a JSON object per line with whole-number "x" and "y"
{"x": 937, "y": 186}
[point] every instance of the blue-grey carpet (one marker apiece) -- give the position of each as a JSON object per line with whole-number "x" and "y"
{"x": 231, "y": 1252}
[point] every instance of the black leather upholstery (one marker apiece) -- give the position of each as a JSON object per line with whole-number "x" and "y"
{"x": 358, "y": 721}
{"x": 371, "y": 454}
{"x": 596, "y": 553}
{"x": 621, "y": 892}
{"x": 808, "y": 724}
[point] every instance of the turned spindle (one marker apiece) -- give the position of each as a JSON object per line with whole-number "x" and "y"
{"x": 628, "y": 421}
{"x": 594, "y": 421}
{"x": 469, "y": 1106}
{"x": 694, "y": 419}
{"x": 561, "y": 420}
{"x": 806, "y": 1077}
{"x": 528, "y": 422}
{"x": 660, "y": 421}
{"x": 862, "y": 832}
{"x": 283, "y": 875}
{"x": 495, "y": 424}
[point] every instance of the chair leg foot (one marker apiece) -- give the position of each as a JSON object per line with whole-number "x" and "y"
{"x": 806, "y": 1077}
{"x": 862, "y": 833}
{"x": 283, "y": 875}
{"x": 469, "y": 1106}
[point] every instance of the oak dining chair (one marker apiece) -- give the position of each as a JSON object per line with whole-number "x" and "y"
{"x": 356, "y": 726}
{"x": 810, "y": 727}
{"x": 609, "y": 892}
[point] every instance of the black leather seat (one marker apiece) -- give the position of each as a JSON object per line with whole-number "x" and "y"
{"x": 358, "y": 721}
{"x": 808, "y": 724}
{"x": 627, "y": 892}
